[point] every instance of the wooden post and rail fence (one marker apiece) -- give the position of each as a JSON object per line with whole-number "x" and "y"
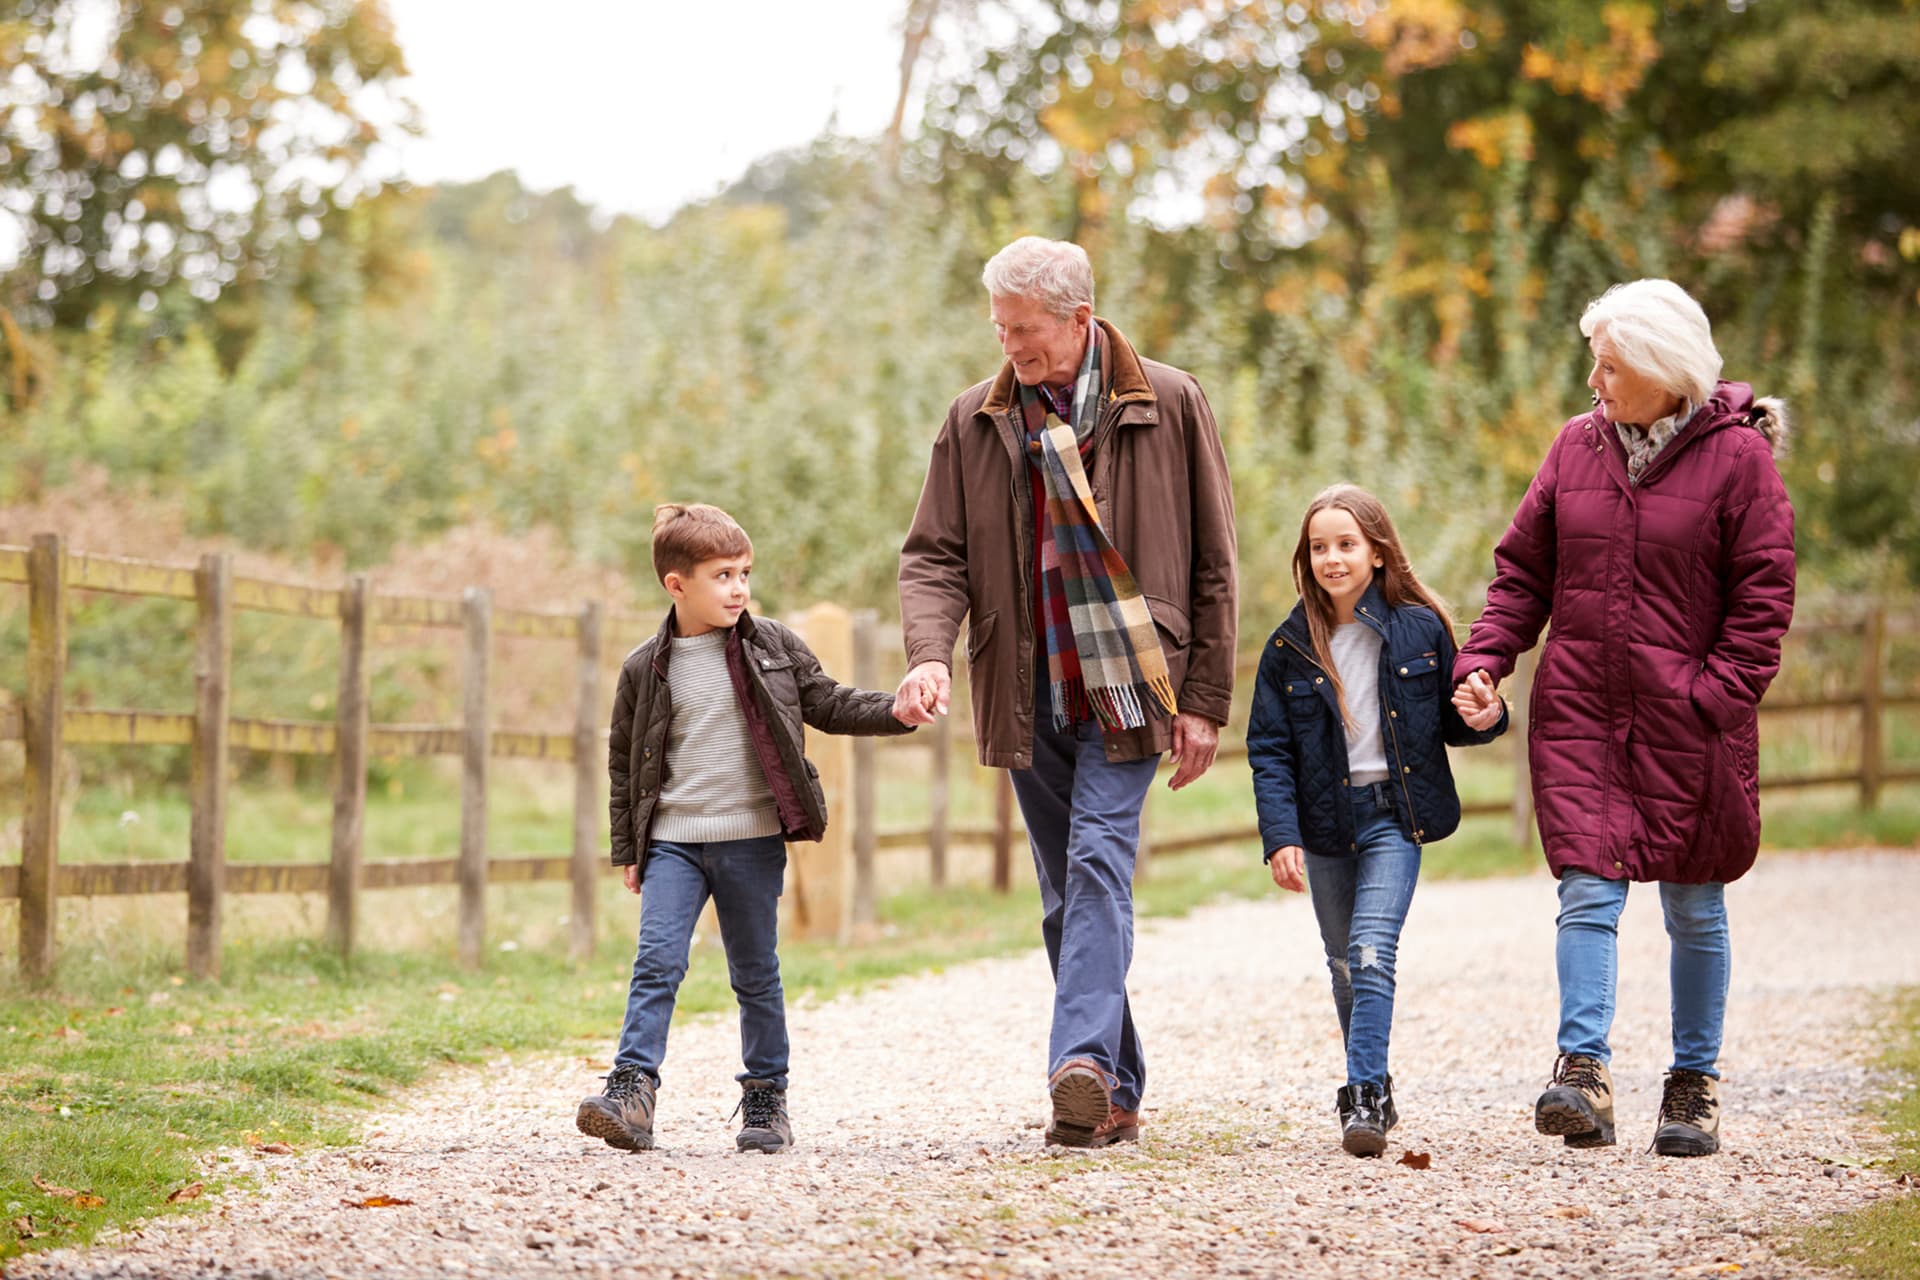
{"x": 833, "y": 882}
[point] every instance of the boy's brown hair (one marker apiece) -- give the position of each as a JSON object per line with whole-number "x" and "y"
{"x": 686, "y": 533}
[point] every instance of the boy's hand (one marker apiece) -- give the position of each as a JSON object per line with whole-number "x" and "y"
{"x": 1288, "y": 865}
{"x": 630, "y": 876}
{"x": 923, "y": 694}
{"x": 1195, "y": 739}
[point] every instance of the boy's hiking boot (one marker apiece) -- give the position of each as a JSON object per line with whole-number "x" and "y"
{"x": 1689, "y": 1115}
{"x": 1389, "y": 1114}
{"x": 1578, "y": 1105}
{"x": 764, "y": 1125}
{"x": 622, "y": 1116}
{"x": 1082, "y": 1101}
{"x": 1363, "y": 1122}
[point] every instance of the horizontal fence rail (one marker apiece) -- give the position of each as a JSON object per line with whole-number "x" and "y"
{"x": 833, "y": 882}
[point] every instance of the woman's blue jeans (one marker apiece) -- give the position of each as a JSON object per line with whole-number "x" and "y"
{"x": 1361, "y": 902}
{"x": 1587, "y": 953}
{"x": 744, "y": 879}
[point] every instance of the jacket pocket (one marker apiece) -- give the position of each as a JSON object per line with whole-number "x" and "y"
{"x": 979, "y": 633}
{"x": 1171, "y": 619}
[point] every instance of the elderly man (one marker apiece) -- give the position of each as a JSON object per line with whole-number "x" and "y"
{"x": 1077, "y": 511}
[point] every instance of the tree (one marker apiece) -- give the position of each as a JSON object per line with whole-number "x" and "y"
{"x": 156, "y": 144}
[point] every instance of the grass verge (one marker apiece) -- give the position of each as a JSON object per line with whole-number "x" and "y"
{"x": 1882, "y": 1242}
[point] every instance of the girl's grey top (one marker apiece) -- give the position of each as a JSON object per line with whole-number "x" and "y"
{"x": 1356, "y": 656}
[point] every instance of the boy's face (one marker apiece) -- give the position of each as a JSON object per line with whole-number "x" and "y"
{"x": 711, "y": 596}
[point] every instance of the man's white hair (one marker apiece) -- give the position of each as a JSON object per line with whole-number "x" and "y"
{"x": 1053, "y": 273}
{"x": 1658, "y": 330}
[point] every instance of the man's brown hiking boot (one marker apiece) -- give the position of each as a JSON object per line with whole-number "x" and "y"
{"x": 764, "y": 1126}
{"x": 1689, "y": 1115}
{"x": 1082, "y": 1098}
{"x": 1578, "y": 1105}
{"x": 622, "y": 1115}
{"x": 1119, "y": 1126}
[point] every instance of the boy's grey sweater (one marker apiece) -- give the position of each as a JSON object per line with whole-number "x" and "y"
{"x": 714, "y": 787}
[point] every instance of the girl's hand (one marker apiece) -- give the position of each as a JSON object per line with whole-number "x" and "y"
{"x": 630, "y": 876}
{"x": 1476, "y": 702}
{"x": 1288, "y": 865}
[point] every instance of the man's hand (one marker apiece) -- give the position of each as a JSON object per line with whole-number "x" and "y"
{"x": 1288, "y": 865}
{"x": 630, "y": 876}
{"x": 1476, "y": 702}
{"x": 1194, "y": 741}
{"x": 923, "y": 694}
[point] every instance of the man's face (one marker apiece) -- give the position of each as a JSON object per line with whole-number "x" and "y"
{"x": 712, "y": 596}
{"x": 1042, "y": 346}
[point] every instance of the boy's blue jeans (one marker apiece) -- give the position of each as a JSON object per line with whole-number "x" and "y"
{"x": 744, "y": 878}
{"x": 1083, "y": 822}
{"x": 1587, "y": 954}
{"x": 1361, "y": 902}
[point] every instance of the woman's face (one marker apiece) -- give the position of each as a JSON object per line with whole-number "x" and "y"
{"x": 1626, "y": 395}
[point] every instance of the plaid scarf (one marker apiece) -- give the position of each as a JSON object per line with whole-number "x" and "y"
{"x": 1107, "y": 653}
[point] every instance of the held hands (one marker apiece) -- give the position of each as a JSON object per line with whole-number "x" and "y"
{"x": 1194, "y": 742}
{"x": 1288, "y": 865}
{"x": 1477, "y": 703}
{"x": 923, "y": 694}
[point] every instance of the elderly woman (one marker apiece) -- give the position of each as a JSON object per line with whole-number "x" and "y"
{"x": 1658, "y": 538}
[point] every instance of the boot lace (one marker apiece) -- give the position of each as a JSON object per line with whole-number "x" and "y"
{"x": 1684, "y": 1097}
{"x": 761, "y": 1107}
{"x": 1577, "y": 1071}
{"x": 623, "y": 1083}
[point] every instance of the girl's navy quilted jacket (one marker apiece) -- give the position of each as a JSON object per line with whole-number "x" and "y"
{"x": 1298, "y": 747}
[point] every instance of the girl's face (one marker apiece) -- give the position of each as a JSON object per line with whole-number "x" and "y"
{"x": 1626, "y": 395}
{"x": 1343, "y": 560}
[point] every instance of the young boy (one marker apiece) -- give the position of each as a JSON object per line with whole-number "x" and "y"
{"x": 709, "y": 783}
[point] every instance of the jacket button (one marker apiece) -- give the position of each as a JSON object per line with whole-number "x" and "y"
{"x": 1403, "y": 671}
{"x": 643, "y": 792}
{"x": 1319, "y": 679}
{"x": 1354, "y": 847}
{"x": 1618, "y": 867}
{"x": 766, "y": 662}
{"x": 1393, "y": 715}
{"x": 1406, "y": 769}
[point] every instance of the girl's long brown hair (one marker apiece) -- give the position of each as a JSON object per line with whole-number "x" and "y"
{"x": 1398, "y": 582}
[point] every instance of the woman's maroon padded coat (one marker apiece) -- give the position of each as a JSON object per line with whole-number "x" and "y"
{"x": 1668, "y": 601}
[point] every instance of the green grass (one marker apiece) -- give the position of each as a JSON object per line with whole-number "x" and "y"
{"x": 1882, "y": 1242}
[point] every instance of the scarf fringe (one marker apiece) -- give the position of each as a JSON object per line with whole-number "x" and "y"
{"x": 1124, "y": 706}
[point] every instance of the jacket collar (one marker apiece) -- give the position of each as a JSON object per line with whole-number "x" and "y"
{"x": 1730, "y": 405}
{"x": 1371, "y": 608}
{"x": 741, "y": 633}
{"x": 1128, "y": 384}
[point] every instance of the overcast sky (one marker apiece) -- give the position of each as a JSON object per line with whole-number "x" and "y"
{"x": 639, "y": 105}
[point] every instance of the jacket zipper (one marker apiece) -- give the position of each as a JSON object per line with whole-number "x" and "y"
{"x": 1386, "y": 670}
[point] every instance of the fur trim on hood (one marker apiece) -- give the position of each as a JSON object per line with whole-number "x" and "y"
{"x": 1769, "y": 418}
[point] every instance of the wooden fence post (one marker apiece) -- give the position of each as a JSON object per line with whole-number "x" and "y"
{"x": 41, "y": 716}
{"x": 939, "y": 799}
{"x": 589, "y": 766}
{"x": 821, "y": 872}
{"x": 866, "y": 674}
{"x": 1872, "y": 701}
{"x": 349, "y": 766}
{"x": 1520, "y": 692}
{"x": 473, "y": 778}
{"x": 212, "y": 673}
{"x": 1002, "y": 831}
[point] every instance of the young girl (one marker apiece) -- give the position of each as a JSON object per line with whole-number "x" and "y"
{"x": 1352, "y": 715}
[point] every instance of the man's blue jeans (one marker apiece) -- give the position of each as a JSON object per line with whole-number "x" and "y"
{"x": 744, "y": 878}
{"x": 1083, "y": 822}
{"x": 1361, "y": 902}
{"x": 1587, "y": 953}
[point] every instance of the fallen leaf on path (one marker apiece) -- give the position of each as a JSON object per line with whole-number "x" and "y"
{"x": 1569, "y": 1211}
{"x": 1506, "y": 1251}
{"x": 65, "y": 1193}
{"x": 70, "y": 1033}
{"x": 1708, "y": 1269}
{"x": 23, "y": 1228}
{"x": 1484, "y": 1226}
{"x": 1416, "y": 1159}
{"x": 86, "y": 1201}
{"x": 375, "y": 1202}
{"x": 189, "y": 1192}
{"x": 274, "y": 1149}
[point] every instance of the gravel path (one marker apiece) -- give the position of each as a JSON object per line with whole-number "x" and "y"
{"x": 918, "y": 1110}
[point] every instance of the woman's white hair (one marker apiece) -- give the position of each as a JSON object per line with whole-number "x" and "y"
{"x": 1053, "y": 273}
{"x": 1658, "y": 330}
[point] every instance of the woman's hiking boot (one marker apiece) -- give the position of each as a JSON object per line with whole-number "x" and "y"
{"x": 1363, "y": 1121}
{"x": 1689, "y": 1115}
{"x": 1578, "y": 1105}
{"x": 621, "y": 1115}
{"x": 764, "y": 1125}
{"x": 1389, "y": 1114}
